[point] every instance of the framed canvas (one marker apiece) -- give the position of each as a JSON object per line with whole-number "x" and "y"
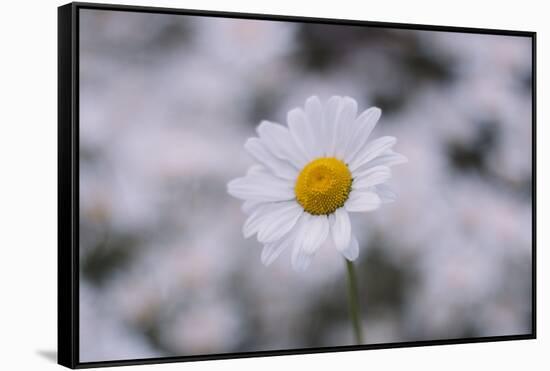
{"x": 242, "y": 185}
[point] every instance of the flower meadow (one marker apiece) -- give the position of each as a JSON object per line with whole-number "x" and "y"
{"x": 167, "y": 103}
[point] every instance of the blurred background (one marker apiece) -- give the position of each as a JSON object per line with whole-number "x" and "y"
{"x": 166, "y": 104}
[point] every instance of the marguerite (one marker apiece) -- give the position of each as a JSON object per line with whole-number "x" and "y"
{"x": 311, "y": 175}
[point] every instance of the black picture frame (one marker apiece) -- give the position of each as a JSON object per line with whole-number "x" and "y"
{"x": 68, "y": 183}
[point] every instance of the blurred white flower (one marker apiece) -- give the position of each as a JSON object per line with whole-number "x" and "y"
{"x": 100, "y": 320}
{"x": 242, "y": 44}
{"x": 206, "y": 327}
{"x": 311, "y": 175}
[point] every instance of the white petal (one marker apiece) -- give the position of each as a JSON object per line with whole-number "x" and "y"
{"x": 254, "y": 220}
{"x": 316, "y": 119}
{"x": 365, "y": 171}
{"x": 249, "y": 206}
{"x": 271, "y": 251}
{"x": 261, "y": 187}
{"x": 332, "y": 109}
{"x": 362, "y": 201}
{"x": 300, "y": 260}
{"x": 279, "y": 167}
{"x": 329, "y": 243}
{"x": 351, "y": 252}
{"x": 340, "y": 227}
{"x": 387, "y": 158}
{"x": 385, "y": 193}
{"x": 317, "y": 232}
{"x": 365, "y": 123}
{"x": 371, "y": 150}
{"x": 278, "y": 140}
{"x": 371, "y": 177}
{"x": 313, "y": 232}
{"x": 302, "y": 134}
{"x": 279, "y": 221}
{"x": 345, "y": 126}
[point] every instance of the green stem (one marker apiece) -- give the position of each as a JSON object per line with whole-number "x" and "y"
{"x": 355, "y": 313}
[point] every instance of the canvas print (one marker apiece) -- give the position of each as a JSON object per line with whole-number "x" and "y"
{"x": 251, "y": 185}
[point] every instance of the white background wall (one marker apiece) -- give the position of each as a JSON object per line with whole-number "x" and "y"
{"x": 28, "y": 168}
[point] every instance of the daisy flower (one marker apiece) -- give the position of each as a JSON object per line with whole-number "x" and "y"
{"x": 310, "y": 176}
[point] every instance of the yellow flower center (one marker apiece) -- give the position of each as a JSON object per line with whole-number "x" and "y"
{"x": 323, "y": 186}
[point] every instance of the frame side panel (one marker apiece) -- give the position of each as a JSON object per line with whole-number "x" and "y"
{"x": 66, "y": 320}
{"x": 534, "y": 188}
